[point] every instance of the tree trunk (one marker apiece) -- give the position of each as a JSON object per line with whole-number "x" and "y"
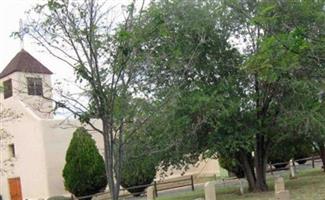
{"x": 114, "y": 187}
{"x": 322, "y": 154}
{"x": 246, "y": 163}
{"x": 260, "y": 164}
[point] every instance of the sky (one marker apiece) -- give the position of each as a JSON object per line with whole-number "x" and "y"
{"x": 11, "y": 11}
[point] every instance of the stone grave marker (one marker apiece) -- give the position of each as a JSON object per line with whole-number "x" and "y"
{"x": 210, "y": 190}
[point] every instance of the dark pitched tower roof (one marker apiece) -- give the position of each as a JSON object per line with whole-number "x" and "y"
{"x": 24, "y": 62}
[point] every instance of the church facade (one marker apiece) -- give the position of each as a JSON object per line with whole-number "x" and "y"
{"x": 32, "y": 159}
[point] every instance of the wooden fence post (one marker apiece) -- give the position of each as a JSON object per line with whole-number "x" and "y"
{"x": 192, "y": 183}
{"x": 313, "y": 161}
{"x": 156, "y": 190}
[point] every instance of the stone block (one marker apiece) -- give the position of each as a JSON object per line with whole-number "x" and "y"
{"x": 279, "y": 184}
{"x": 282, "y": 195}
{"x": 151, "y": 193}
{"x": 210, "y": 190}
{"x": 292, "y": 169}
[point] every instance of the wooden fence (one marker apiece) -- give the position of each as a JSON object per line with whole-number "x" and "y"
{"x": 284, "y": 165}
{"x": 185, "y": 181}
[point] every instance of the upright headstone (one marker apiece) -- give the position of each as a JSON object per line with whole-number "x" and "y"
{"x": 210, "y": 190}
{"x": 292, "y": 169}
{"x": 279, "y": 184}
{"x": 241, "y": 187}
{"x": 279, "y": 189}
{"x": 283, "y": 195}
{"x": 151, "y": 193}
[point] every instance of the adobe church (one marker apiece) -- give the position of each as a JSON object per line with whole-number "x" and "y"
{"x": 39, "y": 142}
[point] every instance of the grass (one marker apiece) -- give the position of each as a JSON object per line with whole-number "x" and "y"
{"x": 309, "y": 185}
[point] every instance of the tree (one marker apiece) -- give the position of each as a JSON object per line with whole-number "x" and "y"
{"x": 283, "y": 60}
{"x": 100, "y": 52}
{"x": 84, "y": 171}
{"x": 221, "y": 97}
{"x": 244, "y": 103}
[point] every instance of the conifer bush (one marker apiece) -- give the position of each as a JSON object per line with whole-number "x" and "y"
{"x": 84, "y": 172}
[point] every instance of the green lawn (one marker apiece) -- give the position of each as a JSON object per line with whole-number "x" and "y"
{"x": 309, "y": 185}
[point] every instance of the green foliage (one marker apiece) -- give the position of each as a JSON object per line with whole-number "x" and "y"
{"x": 227, "y": 100}
{"x": 189, "y": 59}
{"x": 217, "y": 96}
{"x": 291, "y": 148}
{"x": 140, "y": 163}
{"x": 136, "y": 172}
{"x": 231, "y": 165}
{"x": 84, "y": 171}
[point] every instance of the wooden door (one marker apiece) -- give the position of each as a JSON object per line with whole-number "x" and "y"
{"x": 15, "y": 188}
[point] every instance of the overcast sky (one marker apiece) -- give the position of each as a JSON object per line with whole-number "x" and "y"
{"x": 11, "y": 11}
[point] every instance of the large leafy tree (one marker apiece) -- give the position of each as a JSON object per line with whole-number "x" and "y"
{"x": 287, "y": 67}
{"x": 300, "y": 30}
{"x": 238, "y": 103}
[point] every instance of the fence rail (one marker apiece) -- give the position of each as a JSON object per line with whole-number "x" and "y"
{"x": 158, "y": 186}
{"x": 278, "y": 166}
{"x": 173, "y": 184}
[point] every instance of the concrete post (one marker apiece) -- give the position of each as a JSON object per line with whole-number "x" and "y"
{"x": 241, "y": 187}
{"x": 283, "y": 195}
{"x": 279, "y": 189}
{"x": 279, "y": 184}
{"x": 151, "y": 193}
{"x": 210, "y": 190}
{"x": 292, "y": 169}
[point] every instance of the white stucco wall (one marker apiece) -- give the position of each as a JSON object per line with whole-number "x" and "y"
{"x": 203, "y": 168}
{"x": 29, "y": 163}
{"x": 40, "y": 146}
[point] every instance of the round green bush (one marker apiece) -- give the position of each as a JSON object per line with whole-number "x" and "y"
{"x": 137, "y": 172}
{"x": 84, "y": 172}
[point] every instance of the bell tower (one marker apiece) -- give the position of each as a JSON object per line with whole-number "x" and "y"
{"x": 25, "y": 80}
